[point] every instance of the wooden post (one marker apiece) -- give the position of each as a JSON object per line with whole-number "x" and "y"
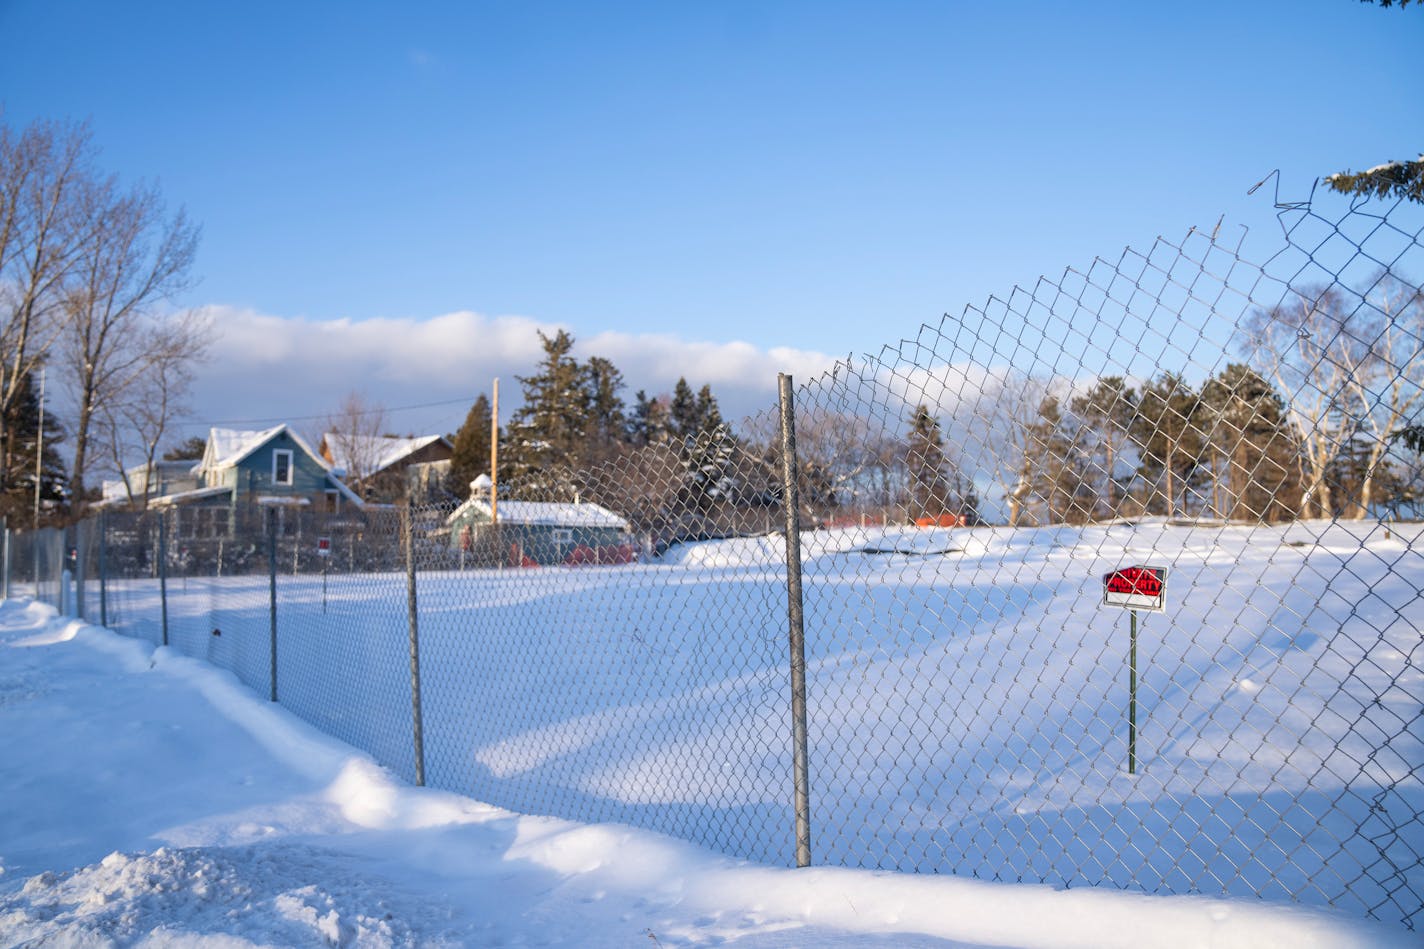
{"x": 494, "y": 455}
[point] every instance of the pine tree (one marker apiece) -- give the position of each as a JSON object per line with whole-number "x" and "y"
{"x": 606, "y": 431}
{"x": 709, "y": 449}
{"x": 471, "y": 455}
{"x": 930, "y": 472}
{"x": 1055, "y": 466}
{"x": 1106, "y": 411}
{"x": 1167, "y": 430}
{"x": 190, "y": 449}
{"x": 546, "y": 435}
{"x": 650, "y": 424}
{"x": 682, "y": 412}
{"x": 21, "y": 434}
{"x": 1255, "y": 458}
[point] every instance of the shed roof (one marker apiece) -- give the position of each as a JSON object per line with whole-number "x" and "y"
{"x": 548, "y": 513}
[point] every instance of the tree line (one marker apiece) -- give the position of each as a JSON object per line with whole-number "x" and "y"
{"x": 1316, "y": 421}
{"x": 573, "y": 419}
{"x": 89, "y": 268}
{"x": 1305, "y": 425}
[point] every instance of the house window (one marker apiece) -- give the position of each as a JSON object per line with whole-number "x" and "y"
{"x": 333, "y": 501}
{"x": 282, "y": 466}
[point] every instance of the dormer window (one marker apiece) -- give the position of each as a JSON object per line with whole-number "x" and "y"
{"x": 282, "y": 466}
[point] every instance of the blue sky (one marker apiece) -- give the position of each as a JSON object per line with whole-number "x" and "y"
{"x": 667, "y": 180}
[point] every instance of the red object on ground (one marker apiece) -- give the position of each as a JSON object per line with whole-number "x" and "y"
{"x": 608, "y": 554}
{"x": 944, "y": 520}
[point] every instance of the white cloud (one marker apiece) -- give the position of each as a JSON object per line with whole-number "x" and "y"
{"x": 267, "y": 367}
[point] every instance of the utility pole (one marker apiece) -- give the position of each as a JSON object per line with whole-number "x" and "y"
{"x": 494, "y": 455}
{"x": 39, "y": 452}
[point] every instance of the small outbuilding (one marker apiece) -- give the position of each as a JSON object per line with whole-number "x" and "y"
{"x": 536, "y": 533}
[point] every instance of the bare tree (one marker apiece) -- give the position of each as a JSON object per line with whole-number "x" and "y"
{"x": 1350, "y": 366}
{"x": 133, "y": 260}
{"x": 1393, "y": 386}
{"x": 134, "y": 424}
{"x": 998, "y": 435}
{"x": 355, "y": 441}
{"x": 43, "y": 171}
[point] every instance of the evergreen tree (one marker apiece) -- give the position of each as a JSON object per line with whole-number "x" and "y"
{"x": 1106, "y": 411}
{"x": 682, "y": 412}
{"x": 606, "y": 432}
{"x": 709, "y": 449}
{"x": 21, "y": 441}
{"x": 471, "y": 455}
{"x": 1255, "y": 458}
{"x": 546, "y": 435}
{"x": 1167, "y": 430}
{"x": 190, "y": 449}
{"x": 710, "y": 460}
{"x": 930, "y": 472}
{"x": 650, "y": 424}
{"x": 709, "y": 416}
{"x": 1055, "y": 466}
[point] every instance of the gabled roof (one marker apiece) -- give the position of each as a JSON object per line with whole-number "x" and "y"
{"x": 547, "y": 513}
{"x": 229, "y": 446}
{"x": 375, "y": 452}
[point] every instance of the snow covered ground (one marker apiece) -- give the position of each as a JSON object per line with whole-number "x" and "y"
{"x": 151, "y": 799}
{"x": 967, "y": 699}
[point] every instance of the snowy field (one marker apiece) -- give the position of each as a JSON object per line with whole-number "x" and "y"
{"x": 967, "y": 696}
{"x": 151, "y": 800}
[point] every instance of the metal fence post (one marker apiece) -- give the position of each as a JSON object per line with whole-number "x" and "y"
{"x": 796, "y": 621}
{"x": 272, "y": 593}
{"x": 163, "y": 570}
{"x": 5, "y": 526}
{"x": 415, "y": 710}
{"x": 81, "y": 552}
{"x": 104, "y": 568}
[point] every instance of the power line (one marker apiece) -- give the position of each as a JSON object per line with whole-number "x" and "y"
{"x": 326, "y": 415}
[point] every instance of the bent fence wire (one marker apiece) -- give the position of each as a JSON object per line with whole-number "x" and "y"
{"x": 615, "y": 647}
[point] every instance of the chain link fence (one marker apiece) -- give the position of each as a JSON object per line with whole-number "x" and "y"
{"x": 931, "y": 679}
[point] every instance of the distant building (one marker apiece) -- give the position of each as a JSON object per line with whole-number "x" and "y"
{"x": 384, "y": 468}
{"x": 532, "y": 533}
{"x": 239, "y": 470}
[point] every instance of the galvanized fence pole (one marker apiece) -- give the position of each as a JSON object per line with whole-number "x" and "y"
{"x": 796, "y": 622}
{"x": 1132, "y": 696}
{"x": 81, "y": 552}
{"x": 163, "y": 571}
{"x": 5, "y": 526}
{"x": 104, "y": 568}
{"x": 272, "y": 595}
{"x": 417, "y": 723}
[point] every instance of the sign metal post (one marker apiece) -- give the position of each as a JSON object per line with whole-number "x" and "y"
{"x": 323, "y": 550}
{"x": 1136, "y": 588}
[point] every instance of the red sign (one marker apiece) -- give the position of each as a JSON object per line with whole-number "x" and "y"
{"x": 323, "y": 546}
{"x": 1138, "y": 588}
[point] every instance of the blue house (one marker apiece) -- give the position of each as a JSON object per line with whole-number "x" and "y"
{"x": 242, "y": 470}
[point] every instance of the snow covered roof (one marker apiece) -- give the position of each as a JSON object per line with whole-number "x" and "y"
{"x": 550, "y": 513}
{"x": 193, "y": 495}
{"x": 372, "y": 453}
{"x": 228, "y": 446}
